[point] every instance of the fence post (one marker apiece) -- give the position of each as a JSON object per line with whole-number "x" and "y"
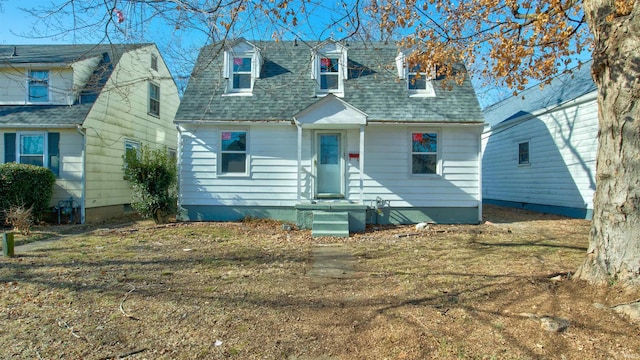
{"x": 7, "y": 244}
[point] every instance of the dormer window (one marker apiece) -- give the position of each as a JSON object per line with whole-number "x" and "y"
{"x": 419, "y": 81}
{"x": 38, "y": 86}
{"x": 242, "y": 62}
{"x": 241, "y": 78}
{"x": 329, "y": 67}
{"x": 329, "y": 74}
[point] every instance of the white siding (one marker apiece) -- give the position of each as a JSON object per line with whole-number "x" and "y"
{"x": 562, "y": 147}
{"x": 69, "y": 183}
{"x": 388, "y": 168}
{"x": 273, "y": 168}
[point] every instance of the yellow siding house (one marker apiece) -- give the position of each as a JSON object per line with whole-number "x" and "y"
{"x": 77, "y": 109}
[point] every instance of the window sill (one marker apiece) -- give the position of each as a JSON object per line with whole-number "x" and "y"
{"x": 154, "y": 115}
{"x": 237, "y": 94}
{"x": 422, "y": 94}
{"x": 234, "y": 175}
{"x": 425, "y": 176}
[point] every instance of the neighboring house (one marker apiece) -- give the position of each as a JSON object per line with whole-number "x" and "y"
{"x": 77, "y": 109}
{"x": 540, "y": 148}
{"x": 294, "y": 130}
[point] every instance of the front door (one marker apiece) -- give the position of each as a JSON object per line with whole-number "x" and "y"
{"x": 329, "y": 164}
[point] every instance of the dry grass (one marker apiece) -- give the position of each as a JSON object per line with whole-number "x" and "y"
{"x": 242, "y": 290}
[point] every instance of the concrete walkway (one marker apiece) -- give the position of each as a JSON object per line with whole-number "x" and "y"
{"x": 331, "y": 261}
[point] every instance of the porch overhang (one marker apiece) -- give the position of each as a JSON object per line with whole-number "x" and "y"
{"x": 330, "y": 112}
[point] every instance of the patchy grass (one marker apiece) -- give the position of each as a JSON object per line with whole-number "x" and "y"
{"x": 242, "y": 290}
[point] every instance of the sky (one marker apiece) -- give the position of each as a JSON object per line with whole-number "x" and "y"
{"x": 178, "y": 46}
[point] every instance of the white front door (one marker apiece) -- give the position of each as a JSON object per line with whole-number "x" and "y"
{"x": 329, "y": 165}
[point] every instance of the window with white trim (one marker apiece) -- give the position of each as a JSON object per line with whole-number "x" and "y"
{"x": 329, "y": 74}
{"x": 154, "y": 62}
{"x": 34, "y": 148}
{"x": 241, "y": 68}
{"x": 523, "y": 153}
{"x": 329, "y": 67}
{"x": 241, "y": 74}
{"x": 131, "y": 148}
{"x": 419, "y": 82}
{"x": 424, "y": 153}
{"x": 38, "y": 86}
{"x": 233, "y": 153}
{"x": 154, "y": 99}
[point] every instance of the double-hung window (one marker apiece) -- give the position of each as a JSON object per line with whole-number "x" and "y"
{"x": 233, "y": 152}
{"x": 241, "y": 74}
{"x": 417, "y": 79}
{"x": 424, "y": 153}
{"x": 154, "y": 62}
{"x": 154, "y": 99}
{"x": 241, "y": 68}
{"x": 329, "y": 74}
{"x": 329, "y": 68}
{"x": 523, "y": 153}
{"x": 38, "y": 86}
{"x": 33, "y": 148}
{"x": 419, "y": 82}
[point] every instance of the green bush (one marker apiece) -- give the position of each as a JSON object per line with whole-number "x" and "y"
{"x": 26, "y": 186}
{"x": 153, "y": 178}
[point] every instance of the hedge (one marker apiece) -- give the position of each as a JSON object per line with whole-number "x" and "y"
{"x": 26, "y": 185}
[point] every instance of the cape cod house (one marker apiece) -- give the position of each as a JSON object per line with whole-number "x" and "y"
{"x": 329, "y": 135}
{"x": 77, "y": 109}
{"x": 540, "y": 147}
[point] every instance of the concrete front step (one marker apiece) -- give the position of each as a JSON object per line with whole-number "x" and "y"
{"x": 330, "y": 223}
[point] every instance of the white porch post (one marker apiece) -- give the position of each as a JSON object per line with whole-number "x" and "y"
{"x": 299, "y": 180}
{"x": 361, "y": 158}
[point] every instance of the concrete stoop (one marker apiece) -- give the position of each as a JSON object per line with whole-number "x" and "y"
{"x": 330, "y": 223}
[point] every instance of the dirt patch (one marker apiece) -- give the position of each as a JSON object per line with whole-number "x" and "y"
{"x": 500, "y": 290}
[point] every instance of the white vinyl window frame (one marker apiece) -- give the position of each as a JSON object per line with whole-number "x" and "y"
{"x": 419, "y": 82}
{"x": 154, "y": 62}
{"x": 241, "y": 62}
{"x": 524, "y": 153}
{"x": 38, "y": 82}
{"x": 330, "y": 63}
{"x": 233, "y": 146}
{"x": 41, "y": 151}
{"x": 131, "y": 145}
{"x": 154, "y": 99}
{"x": 425, "y": 157}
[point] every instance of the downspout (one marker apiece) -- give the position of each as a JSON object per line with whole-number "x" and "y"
{"x": 83, "y": 180}
{"x": 361, "y": 160}
{"x": 298, "y": 179}
{"x": 480, "y": 175}
{"x": 181, "y": 214}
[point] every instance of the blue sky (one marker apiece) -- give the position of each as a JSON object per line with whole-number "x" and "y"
{"x": 179, "y": 47}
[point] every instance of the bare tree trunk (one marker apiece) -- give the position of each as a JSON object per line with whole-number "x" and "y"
{"x": 614, "y": 245}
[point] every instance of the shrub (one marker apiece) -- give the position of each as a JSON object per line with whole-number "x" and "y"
{"x": 153, "y": 178}
{"x": 20, "y": 217}
{"x": 26, "y": 186}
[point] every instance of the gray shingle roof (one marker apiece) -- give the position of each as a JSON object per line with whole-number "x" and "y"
{"x": 285, "y": 87}
{"x": 563, "y": 88}
{"x": 59, "y": 115}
